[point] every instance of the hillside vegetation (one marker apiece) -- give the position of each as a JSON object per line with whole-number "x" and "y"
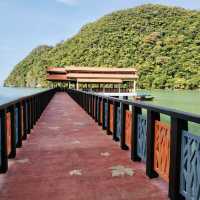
{"x": 162, "y": 42}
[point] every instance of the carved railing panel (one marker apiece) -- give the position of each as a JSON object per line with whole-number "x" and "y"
{"x": 128, "y": 127}
{"x": 111, "y": 118}
{"x": 105, "y": 114}
{"x": 162, "y": 149}
{"x": 190, "y": 166}
{"x": 118, "y": 134}
{"x": 141, "y": 136}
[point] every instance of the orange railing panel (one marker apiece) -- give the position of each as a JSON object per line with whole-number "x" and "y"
{"x": 101, "y": 112}
{"x": 111, "y": 118}
{"x": 162, "y": 149}
{"x": 128, "y": 127}
{"x": 8, "y": 132}
{"x": 22, "y": 120}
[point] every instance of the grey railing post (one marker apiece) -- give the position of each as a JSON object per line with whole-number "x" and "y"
{"x": 177, "y": 125}
{"x": 13, "y": 136}
{"x": 122, "y": 140}
{"x": 3, "y": 135}
{"x": 19, "y": 143}
{"x": 108, "y": 117}
{"x": 115, "y": 138}
{"x": 135, "y": 112}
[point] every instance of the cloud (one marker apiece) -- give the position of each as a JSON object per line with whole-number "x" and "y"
{"x": 68, "y": 2}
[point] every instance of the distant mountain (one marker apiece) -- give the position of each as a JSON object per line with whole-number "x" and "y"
{"x": 162, "y": 42}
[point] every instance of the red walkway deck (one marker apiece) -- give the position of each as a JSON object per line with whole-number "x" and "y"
{"x": 68, "y": 157}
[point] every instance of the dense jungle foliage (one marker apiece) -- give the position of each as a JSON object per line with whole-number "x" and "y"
{"x": 162, "y": 42}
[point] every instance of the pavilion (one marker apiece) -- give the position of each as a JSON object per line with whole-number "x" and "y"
{"x": 93, "y": 77}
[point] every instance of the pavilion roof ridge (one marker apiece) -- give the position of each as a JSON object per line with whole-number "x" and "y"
{"x": 82, "y": 68}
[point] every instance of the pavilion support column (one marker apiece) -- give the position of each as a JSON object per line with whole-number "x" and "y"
{"x": 119, "y": 88}
{"x": 134, "y": 86}
{"x": 77, "y": 85}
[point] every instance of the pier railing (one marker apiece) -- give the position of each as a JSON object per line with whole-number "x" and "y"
{"x": 17, "y": 118}
{"x": 169, "y": 150}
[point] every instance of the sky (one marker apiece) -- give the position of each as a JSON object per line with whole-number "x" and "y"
{"x": 25, "y": 24}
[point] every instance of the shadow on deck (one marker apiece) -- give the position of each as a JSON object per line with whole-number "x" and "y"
{"x": 68, "y": 157}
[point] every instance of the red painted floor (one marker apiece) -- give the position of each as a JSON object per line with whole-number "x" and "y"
{"x": 68, "y": 157}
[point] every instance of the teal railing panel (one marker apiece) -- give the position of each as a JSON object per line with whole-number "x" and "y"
{"x": 105, "y": 114}
{"x": 118, "y": 130}
{"x": 141, "y": 137}
{"x": 190, "y": 166}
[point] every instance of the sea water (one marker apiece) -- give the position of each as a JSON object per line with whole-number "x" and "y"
{"x": 8, "y": 94}
{"x": 181, "y": 100}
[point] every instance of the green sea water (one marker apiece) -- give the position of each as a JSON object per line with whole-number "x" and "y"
{"x": 182, "y": 100}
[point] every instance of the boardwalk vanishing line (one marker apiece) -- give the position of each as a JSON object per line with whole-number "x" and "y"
{"x": 68, "y": 157}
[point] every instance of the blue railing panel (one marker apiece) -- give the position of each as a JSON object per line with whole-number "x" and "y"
{"x": 97, "y": 109}
{"x": 105, "y": 114}
{"x": 190, "y": 166}
{"x": 118, "y": 133}
{"x": 141, "y": 137}
{"x": 16, "y": 126}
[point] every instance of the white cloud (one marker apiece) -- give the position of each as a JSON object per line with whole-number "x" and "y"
{"x": 68, "y": 2}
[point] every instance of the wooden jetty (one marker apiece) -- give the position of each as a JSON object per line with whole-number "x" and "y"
{"x": 66, "y": 155}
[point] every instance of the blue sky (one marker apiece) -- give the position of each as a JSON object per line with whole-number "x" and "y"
{"x": 26, "y": 24}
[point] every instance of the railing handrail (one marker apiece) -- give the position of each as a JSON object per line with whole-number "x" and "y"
{"x": 17, "y": 118}
{"x": 161, "y": 109}
{"x": 164, "y": 147}
{"x": 20, "y": 99}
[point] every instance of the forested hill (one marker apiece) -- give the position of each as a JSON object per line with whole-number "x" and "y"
{"x": 162, "y": 42}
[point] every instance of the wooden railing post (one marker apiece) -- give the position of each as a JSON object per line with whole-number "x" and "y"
{"x": 93, "y": 110}
{"x": 115, "y": 138}
{"x": 99, "y": 110}
{"x": 91, "y": 106}
{"x": 103, "y": 113}
{"x": 24, "y": 121}
{"x": 19, "y": 143}
{"x": 151, "y": 117}
{"x": 3, "y": 152}
{"x": 88, "y": 103}
{"x": 34, "y": 108}
{"x": 85, "y": 102}
{"x": 135, "y": 112}
{"x": 28, "y": 116}
{"x": 32, "y": 112}
{"x": 108, "y": 117}
{"x": 13, "y": 136}
{"x": 122, "y": 140}
{"x": 96, "y": 109}
{"x": 177, "y": 125}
